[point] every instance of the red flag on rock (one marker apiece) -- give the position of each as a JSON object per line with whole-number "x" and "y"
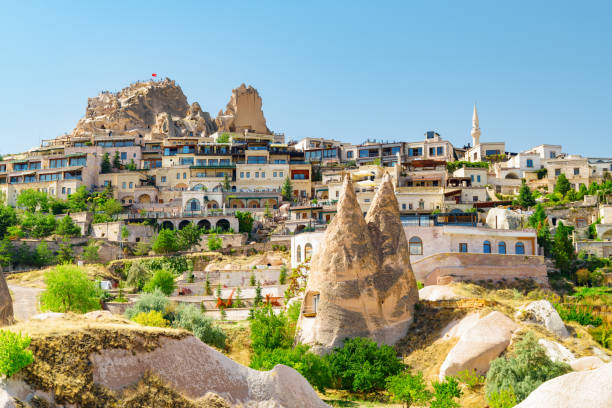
{"x": 154, "y": 75}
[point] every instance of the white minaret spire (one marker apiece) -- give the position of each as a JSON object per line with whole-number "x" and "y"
{"x": 475, "y": 129}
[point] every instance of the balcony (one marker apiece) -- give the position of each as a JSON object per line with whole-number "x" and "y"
{"x": 214, "y": 166}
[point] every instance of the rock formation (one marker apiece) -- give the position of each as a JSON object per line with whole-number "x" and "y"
{"x": 501, "y": 218}
{"x": 591, "y": 389}
{"x": 586, "y": 363}
{"x": 543, "y": 313}
{"x": 479, "y": 344}
{"x": 243, "y": 112}
{"x": 437, "y": 292}
{"x": 556, "y": 352}
{"x": 6, "y": 303}
{"x": 360, "y": 280}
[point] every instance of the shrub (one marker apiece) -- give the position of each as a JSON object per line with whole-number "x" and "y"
{"x": 314, "y": 368}
{"x": 43, "y": 255}
{"x": 523, "y": 371}
{"x": 269, "y": 330}
{"x": 581, "y": 314}
{"x": 409, "y": 389}
{"x": 245, "y": 221}
{"x": 282, "y": 278}
{"x": 214, "y": 242}
{"x": 150, "y": 301}
{"x": 14, "y": 353}
{"x": 188, "y": 237}
{"x": 188, "y": 317}
{"x": 360, "y": 365}
{"x": 65, "y": 254}
{"x": 151, "y": 318}
{"x": 90, "y": 251}
{"x": 162, "y": 280}
{"x": 69, "y": 290}
{"x": 470, "y": 378}
{"x": 67, "y": 228}
{"x": 165, "y": 242}
{"x": 445, "y": 393}
{"x": 137, "y": 275}
{"x": 142, "y": 248}
{"x": 503, "y": 399}
{"x": 602, "y": 335}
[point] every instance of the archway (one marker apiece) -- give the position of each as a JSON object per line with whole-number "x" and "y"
{"x": 192, "y": 204}
{"x": 183, "y": 224}
{"x": 298, "y": 254}
{"x": 512, "y": 176}
{"x": 144, "y": 199}
{"x": 223, "y": 224}
{"x": 204, "y": 224}
{"x": 253, "y": 204}
{"x": 127, "y": 200}
{"x": 167, "y": 225}
{"x": 416, "y": 246}
{"x": 271, "y": 203}
{"x": 519, "y": 248}
{"x": 307, "y": 251}
{"x": 212, "y": 204}
{"x": 236, "y": 203}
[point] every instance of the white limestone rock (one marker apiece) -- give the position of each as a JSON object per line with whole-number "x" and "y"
{"x": 437, "y": 292}
{"x": 543, "y": 313}
{"x": 586, "y": 363}
{"x": 592, "y": 389}
{"x": 479, "y": 345}
{"x": 557, "y": 352}
{"x": 502, "y": 218}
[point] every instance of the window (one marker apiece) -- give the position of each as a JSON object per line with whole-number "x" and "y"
{"x": 478, "y": 178}
{"x": 274, "y": 174}
{"x": 349, "y": 154}
{"x": 263, "y": 174}
{"x": 242, "y": 174}
{"x": 123, "y": 185}
{"x": 529, "y": 163}
{"x": 63, "y": 190}
{"x": 553, "y": 155}
{"x": 486, "y": 247}
{"x": 78, "y": 161}
{"x": 416, "y": 245}
{"x": 186, "y": 161}
{"x": 163, "y": 179}
{"x": 421, "y": 205}
{"x": 184, "y": 176}
{"x": 432, "y": 151}
{"x": 248, "y": 174}
{"x": 491, "y": 152}
{"x": 475, "y": 198}
{"x": 256, "y": 174}
{"x": 395, "y": 150}
{"x": 178, "y": 176}
{"x": 107, "y": 183}
{"x": 403, "y": 206}
{"x": 440, "y": 150}
{"x": 519, "y": 248}
{"x": 472, "y": 178}
{"x": 463, "y": 247}
{"x": 256, "y": 160}
{"x": 299, "y": 176}
{"x": 415, "y": 151}
{"x": 280, "y": 174}
{"x": 131, "y": 184}
{"x": 68, "y": 190}
{"x": 557, "y": 172}
{"x": 576, "y": 171}
{"x": 123, "y": 155}
{"x": 501, "y": 248}
{"x": 212, "y": 162}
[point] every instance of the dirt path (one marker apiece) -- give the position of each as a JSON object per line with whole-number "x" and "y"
{"x": 25, "y": 301}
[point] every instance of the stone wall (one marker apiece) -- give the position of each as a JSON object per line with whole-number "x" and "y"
{"x": 474, "y": 267}
{"x": 229, "y": 241}
{"x": 112, "y": 231}
{"x": 602, "y": 249}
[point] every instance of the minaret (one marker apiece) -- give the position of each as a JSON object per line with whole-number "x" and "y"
{"x": 475, "y": 129}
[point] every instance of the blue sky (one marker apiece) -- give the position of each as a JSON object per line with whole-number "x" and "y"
{"x": 541, "y": 72}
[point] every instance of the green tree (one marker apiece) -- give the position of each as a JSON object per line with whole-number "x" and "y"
{"x": 165, "y": 242}
{"x": 30, "y": 200}
{"x": 131, "y": 165}
{"x": 226, "y": 182}
{"x": 67, "y": 228}
{"x": 445, "y": 393}
{"x": 105, "y": 165}
{"x": 14, "y": 353}
{"x": 78, "y": 200}
{"x": 523, "y": 370}
{"x": 282, "y": 278}
{"x": 8, "y": 218}
{"x": 252, "y": 281}
{"x": 207, "y": 288}
{"x": 582, "y": 191}
{"x": 65, "y": 254}
{"x": 6, "y": 249}
{"x": 43, "y": 256}
{"x": 267, "y": 212}
{"x": 69, "y": 290}
{"x": 269, "y": 330}
{"x": 111, "y": 207}
{"x": 125, "y": 233}
{"x": 188, "y": 237}
{"x": 245, "y": 221}
{"x": 162, "y": 280}
{"x": 116, "y": 160}
{"x": 287, "y": 190}
{"x": 525, "y": 198}
{"x": 214, "y": 242}
{"x": 14, "y": 232}
{"x": 562, "y": 247}
{"x": 409, "y": 389}
{"x": 238, "y": 299}
{"x": 38, "y": 224}
{"x": 223, "y": 138}
{"x": 563, "y": 185}
{"x": 362, "y": 366}
{"x": 137, "y": 275}
{"x": 258, "y": 296}
{"x": 90, "y": 251}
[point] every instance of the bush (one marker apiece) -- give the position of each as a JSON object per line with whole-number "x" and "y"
{"x": 69, "y": 290}
{"x": 269, "y": 331}
{"x": 214, "y": 242}
{"x": 67, "y": 228}
{"x": 162, "y": 280}
{"x": 314, "y": 368}
{"x": 188, "y": 317}
{"x": 445, "y": 393}
{"x": 360, "y": 365}
{"x": 523, "y": 371}
{"x": 282, "y": 278}
{"x": 188, "y": 237}
{"x": 165, "y": 242}
{"x": 137, "y": 275}
{"x": 581, "y": 314}
{"x": 90, "y": 251}
{"x": 409, "y": 389}
{"x": 602, "y": 335}
{"x": 245, "y": 221}
{"x": 152, "y": 318}
{"x": 502, "y": 399}
{"x": 151, "y": 301}
{"x": 43, "y": 255}
{"x": 142, "y": 248}
{"x": 14, "y": 354}
{"x": 65, "y": 254}
{"x": 470, "y": 378}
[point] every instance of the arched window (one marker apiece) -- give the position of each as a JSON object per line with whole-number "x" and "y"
{"x": 307, "y": 251}
{"x": 416, "y": 246}
{"x": 519, "y": 248}
{"x": 501, "y": 247}
{"x": 486, "y": 247}
{"x": 193, "y": 205}
{"x": 421, "y": 204}
{"x": 299, "y": 253}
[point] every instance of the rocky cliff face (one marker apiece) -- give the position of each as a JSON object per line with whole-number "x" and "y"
{"x": 243, "y": 112}
{"x": 6, "y": 303}
{"x": 361, "y": 275}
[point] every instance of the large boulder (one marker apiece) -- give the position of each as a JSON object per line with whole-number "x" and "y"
{"x": 592, "y": 389}
{"x": 437, "y": 292}
{"x": 557, "y": 352}
{"x": 361, "y": 283}
{"x": 543, "y": 313}
{"x": 586, "y": 363}
{"x": 484, "y": 341}
{"x": 501, "y": 218}
{"x": 6, "y": 303}
{"x": 195, "y": 369}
